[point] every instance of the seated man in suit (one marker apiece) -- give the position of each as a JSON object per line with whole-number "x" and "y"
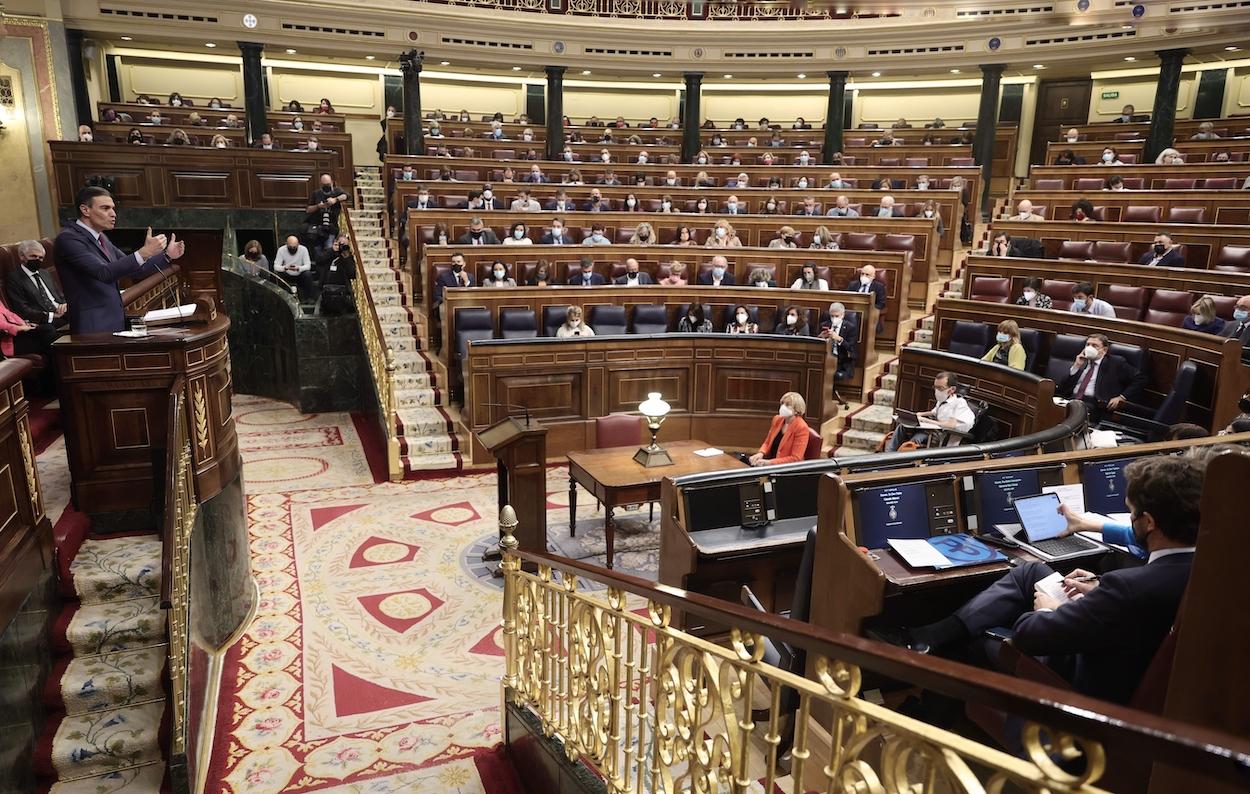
{"x": 89, "y": 265}
{"x": 1239, "y": 328}
{"x": 556, "y": 235}
{"x": 634, "y": 275}
{"x": 952, "y": 412}
{"x": 1163, "y": 254}
{"x": 561, "y": 202}
{"x": 865, "y": 282}
{"x": 1103, "y": 379}
{"x": 719, "y": 275}
{"x": 1103, "y": 641}
{"x": 478, "y": 234}
{"x": 32, "y": 295}
{"x": 842, "y": 331}
{"x": 523, "y": 202}
{"x": 588, "y": 277}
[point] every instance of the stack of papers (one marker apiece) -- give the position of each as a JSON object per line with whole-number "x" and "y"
{"x": 709, "y": 452}
{"x": 173, "y": 313}
{"x": 1102, "y": 439}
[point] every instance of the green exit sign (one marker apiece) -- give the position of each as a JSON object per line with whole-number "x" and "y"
{"x": 1110, "y": 94}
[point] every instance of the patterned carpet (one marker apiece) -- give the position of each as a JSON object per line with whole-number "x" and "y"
{"x": 374, "y": 662}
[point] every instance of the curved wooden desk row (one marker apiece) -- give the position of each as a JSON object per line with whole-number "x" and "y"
{"x": 114, "y": 398}
{"x": 769, "y": 303}
{"x": 1220, "y": 381}
{"x": 179, "y": 176}
{"x": 25, "y": 533}
{"x": 450, "y": 195}
{"x": 992, "y": 270}
{"x": 838, "y": 268}
{"x": 720, "y": 386}
{"x": 718, "y": 561}
{"x": 1193, "y": 151}
{"x": 337, "y": 142}
{"x": 1226, "y": 207}
{"x": 1202, "y": 241}
{"x": 1181, "y": 128}
{"x": 278, "y": 119}
{"x": 485, "y": 170}
{"x": 917, "y": 236}
{"x": 1150, "y": 176}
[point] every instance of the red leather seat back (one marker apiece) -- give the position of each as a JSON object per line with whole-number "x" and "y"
{"x": 1076, "y": 249}
{"x": 1088, "y": 183}
{"x": 1169, "y": 307}
{"x": 859, "y": 241}
{"x": 1187, "y": 215}
{"x": 1141, "y": 214}
{"x": 1050, "y": 184}
{"x": 1179, "y": 184}
{"x": 991, "y": 289}
{"x": 1219, "y": 183}
{"x": 1128, "y": 302}
{"x": 1059, "y": 292}
{"x": 1234, "y": 257}
{"x": 1109, "y": 251}
{"x": 618, "y": 430}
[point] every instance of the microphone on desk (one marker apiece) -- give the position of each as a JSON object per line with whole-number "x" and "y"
{"x": 511, "y": 406}
{"x": 169, "y": 285}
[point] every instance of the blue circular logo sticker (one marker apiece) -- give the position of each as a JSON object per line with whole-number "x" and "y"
{"x": 1082, "y": 5}
{"x": 995, "y": 43}
{"x": 1139, "y": 11}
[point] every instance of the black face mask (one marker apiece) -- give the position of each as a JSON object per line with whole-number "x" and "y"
{"x": 34, "y": 264}
{"x": 1159, "y": 249}
{"x": 292, "y": 248}
{"x": 327, "y": 188}
{"x": 474, "y": 234}
{"x": 457, "y": 268}
{"x": 252, "y": 254}
{"x": 632, "y": 275}
{"x": 1244, "y": 405}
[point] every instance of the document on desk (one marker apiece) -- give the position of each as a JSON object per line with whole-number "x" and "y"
{"x": 918, "y": 553}
{"x": 172, "y": 313}
{"x": 710, "y": 452}
{"x": 945, "y": 551}
{"x": 1070, "y": 496}
{"x": 1102, "y": 439}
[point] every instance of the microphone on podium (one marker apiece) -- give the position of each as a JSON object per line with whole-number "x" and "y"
{"x": 512, "y": 406}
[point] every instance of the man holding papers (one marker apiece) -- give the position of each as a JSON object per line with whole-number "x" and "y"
{"x": 1098, "y": 632}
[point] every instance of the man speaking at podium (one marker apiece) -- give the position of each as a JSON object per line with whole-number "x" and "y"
{"x": 89, "y": 265}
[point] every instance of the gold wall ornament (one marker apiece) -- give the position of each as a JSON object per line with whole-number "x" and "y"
{"x": 653, "y": 709}
{"x": 30, "y": 468}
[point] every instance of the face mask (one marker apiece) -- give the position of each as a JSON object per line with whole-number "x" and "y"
{"x": 595, "y": 199}
{"x": 785, "y": 411}
{"x": 528, "y": 136}
{"x": 605, "y": 157}
{"x": 312, "y": 146}
{"x": 598, "y": 238}
{"x": 803, "y": 183}
{"x": 692, "y": 318}
{"x": 922, "y": 186}
{"x": 865, "y": 280}
{"x": 1079, "y": 215}
{"x": 423, "y": 198}
{"x": 476, "y": 235}
{"x": 34, "y": 264}
{"x": 928, "y": 213}
{"x": 733, "y": 205}
{"x": 815, "y": 239}
{"x": 519, "y": 234}
{"x": 574, "y": 323}
{"x": 742, "y": 318}
{"x": 771, "y": 206}
{"x": 670, "y": 181}
{"x": 1126, "y": 117}
{"x": 1072, "y": 138}
{"x": 1029, "y": 294}
{"x": 787, "y": 239}
{"x": 1107, "y": 157}
{"x": 632, "y": 275}
{"x": 803, "y": 159}
{"x": 1159, "y": 249}
{"x": 1001, "y": 338}
{"x": 642, "y": 158}
{"x": 718, "y": 272}
{"x": 499, "y": 274}
{"x": 488, "y": 194}
{"x": 721, "y": 231}
{"x": 436, "y": 131}
{"x": 666, "y": 205}
{"x": 176, "y": 103}
{"x": 702, "y": 161}
{"x": 1078, "y": 304}
{"x": 630, "y": 203}
{"x": 85, "y": 137}
{"x": 1091, "y": 352}
{"x": 1244, "y": 405}
{"x": 1241, "y": 315}
{"x": 297, "y": 125}
{"x": 390, "y": 114}
{"x": 792, "y": 319}
{"x": 568, "y": 156}
{"x": 939, "y": 394}
{"x": 557, "y": 233}
{"x": 292, "y": 248}
{"x": 644, "y": 235}
{"x": 456, "y": 268}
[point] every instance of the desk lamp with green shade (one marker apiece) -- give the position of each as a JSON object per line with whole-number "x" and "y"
{"x": 654, "y": 409}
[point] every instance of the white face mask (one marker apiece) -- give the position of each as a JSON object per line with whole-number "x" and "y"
{"x": 733, "y": 205}
{"x": 1073, "y": 138}
{"x": 1107, "y": 157}
{"x": 939, "y": 394}
{"x": 574, "y": 323}
{"x": 642, "y": 158}
{"x": 568, "y": 156}
{"x": 312, "y": 146}
{"x": 499, "y": 275}
{"x": 922, "y": 186}
{"x": 1091, "y": 352}
{"x": 803, "y": 182}
{"x": 1029, "y": 294}
{"x": 488, "y": 194}
{"x": 629, "y": 202}
{"x": 670, "y": 181}
{"x": 803, "y": 159}
{"x": 424, "y": 198}
{"x": 529, "y": 136}
{"x": 702, "y": 161}
{"x": 815, "y": 239}
{"x": 742, "y": 318}
{"x": 519, "y": 234}
{"x": 176, "y": 103}
{"x": 390, "y": 114}
{"x": 785, "y": 411}
{"x": 666, "y": 204}
{"x": 721, "y": 231}
{"x": 792, "y": 319}
{"x": 928, "y": 213}
{"x": 865, "y": 280}
{"x": 607, "y": 158}
{"x": 557, "y": 233}
{"x": 221, "y": 144}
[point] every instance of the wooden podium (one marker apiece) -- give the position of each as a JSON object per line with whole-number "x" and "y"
{"x": 520, "y": 450}
{"x": 114, "y": 398}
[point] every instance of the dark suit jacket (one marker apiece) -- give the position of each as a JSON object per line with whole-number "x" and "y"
{"x": 1115, "y": 630}
{"x": 876, "y": 288}
{"x": 444, "y": 280}
{"x": 850, "y": 337}
{"x": 548, "y": 239}
{"x": 1230, "y": 329}
{"x": 89, "y": 277}
{"x": 643, "y": 278}
{"x": 27, "y": 300}
{"x": 488, "y": 238}
{"x": 596, "y": 280}
{"x": 706, "y": 279}
{"x": 1172, "y": 258}
{"x": 1115, "y": 377}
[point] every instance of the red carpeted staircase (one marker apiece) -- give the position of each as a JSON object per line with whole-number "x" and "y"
{"x": 105, "y": 697}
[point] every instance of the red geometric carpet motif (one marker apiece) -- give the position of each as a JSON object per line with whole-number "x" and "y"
{"x": 353, "y": 695}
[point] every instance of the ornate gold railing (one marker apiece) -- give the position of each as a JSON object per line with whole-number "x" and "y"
{"x": 380, "y": 355}
{"x": 180, "y": 512}
{"x": 653, "y": 709}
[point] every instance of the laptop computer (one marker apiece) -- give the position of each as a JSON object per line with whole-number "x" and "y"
{"x": 1041, "y": 524}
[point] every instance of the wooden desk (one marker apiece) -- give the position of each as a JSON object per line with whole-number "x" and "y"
{"x": 615, "y": 479}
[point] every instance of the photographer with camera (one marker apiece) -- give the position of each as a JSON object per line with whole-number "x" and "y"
{"x": 335, "y": 270}
{"x": 325, "y": 206}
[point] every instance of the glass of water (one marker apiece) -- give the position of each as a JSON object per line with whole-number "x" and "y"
{"x": 139, "y": 326}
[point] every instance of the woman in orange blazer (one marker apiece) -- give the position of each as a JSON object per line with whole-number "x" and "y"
{"x": 786, "y": 441}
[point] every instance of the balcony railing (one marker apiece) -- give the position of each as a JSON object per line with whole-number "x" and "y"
{"x": 652, "y": 709}
{"x": 716, "y": 10}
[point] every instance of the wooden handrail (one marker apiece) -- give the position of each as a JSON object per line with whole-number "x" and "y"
{"x": 1191, "y": 747}
{"x": 169, "y": 523}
